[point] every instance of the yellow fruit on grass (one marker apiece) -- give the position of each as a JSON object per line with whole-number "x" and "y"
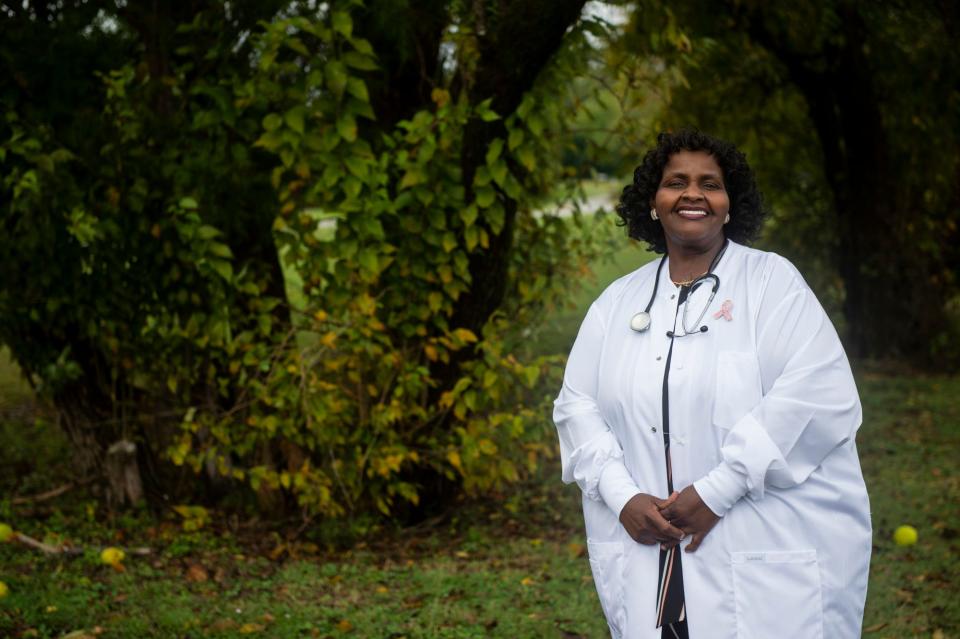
{"x": 4, "y": 591}
{"x": 905, "y": 536}
{"x": 112, "y": 556}
{"x": 6, "y": 532}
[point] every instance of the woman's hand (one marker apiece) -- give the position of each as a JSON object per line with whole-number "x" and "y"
{"x": 643, "y": 519}
{"x": 688, "y": 512}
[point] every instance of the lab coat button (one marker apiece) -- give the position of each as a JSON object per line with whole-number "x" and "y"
{"x": 653, "y": 429}
{"x": 659, "y": 358}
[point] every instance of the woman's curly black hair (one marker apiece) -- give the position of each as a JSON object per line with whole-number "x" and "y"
{"x": 746, "y": 204}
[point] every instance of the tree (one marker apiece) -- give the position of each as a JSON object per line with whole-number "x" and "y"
{"x": 389, "y": 154}
{"x": 843, "y": 74}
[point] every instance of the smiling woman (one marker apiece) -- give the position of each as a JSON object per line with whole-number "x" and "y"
{"x": 692, "y": 206}
{"x": 723, "y": 423}
{"x": 735, "y": 179}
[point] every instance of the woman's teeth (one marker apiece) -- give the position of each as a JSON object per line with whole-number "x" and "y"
{"x": 689, "y": 213}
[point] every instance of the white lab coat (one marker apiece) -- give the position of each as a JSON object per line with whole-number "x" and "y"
{"x": 763, "y": 415}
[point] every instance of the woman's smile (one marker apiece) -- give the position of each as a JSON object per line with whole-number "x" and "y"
{"x": 692, "y": 202}
{"x": 691, "y": 213}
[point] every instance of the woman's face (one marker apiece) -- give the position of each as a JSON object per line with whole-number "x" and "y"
{"x": 692, "y": 201}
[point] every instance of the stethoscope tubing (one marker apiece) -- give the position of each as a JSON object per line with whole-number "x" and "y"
{"x": 642, "y": 321}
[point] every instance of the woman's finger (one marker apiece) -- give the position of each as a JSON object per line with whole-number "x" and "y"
{"x": 665, "y": 529}
{"x": 695, "y": 541}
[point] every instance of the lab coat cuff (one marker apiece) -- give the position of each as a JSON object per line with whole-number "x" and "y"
{"x": 721, "y": 488}
{"x": 616, "y": 485}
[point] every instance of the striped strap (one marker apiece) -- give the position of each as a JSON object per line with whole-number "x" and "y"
{"x": 670, "y": 603}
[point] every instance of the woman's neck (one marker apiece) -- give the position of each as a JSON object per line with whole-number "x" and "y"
{"x": 689, "y": 262}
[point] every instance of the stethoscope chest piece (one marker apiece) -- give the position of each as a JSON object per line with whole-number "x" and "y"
{"x": 640, "y": 322}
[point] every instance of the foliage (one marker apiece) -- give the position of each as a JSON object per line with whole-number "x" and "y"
{"x": 155, "y": 249}
{"x": 826, "y": 100}
{"x": 356, "y": 400}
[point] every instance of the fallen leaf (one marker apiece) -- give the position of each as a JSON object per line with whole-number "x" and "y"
{"x": 250, "y": 628}
{"x": 938, "y": 634}
{"x": 527, "y": 581}
{"x": 344, "y": 625}
{"x": 382, "y": 590}
{"x": 223, "y": 624}
{"x": 196, "y": 573}
{"x": 875, "y": 627}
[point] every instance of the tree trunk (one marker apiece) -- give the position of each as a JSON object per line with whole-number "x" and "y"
{"x": 892, "y": 305}
{"x": 520, "y": 37}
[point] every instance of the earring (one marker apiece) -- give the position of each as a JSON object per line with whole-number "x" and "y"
{"x": 726, "y": 220}
{"x": 653, "y": 214}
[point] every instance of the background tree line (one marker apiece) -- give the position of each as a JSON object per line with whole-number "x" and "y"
{"x": 295, "y": 246}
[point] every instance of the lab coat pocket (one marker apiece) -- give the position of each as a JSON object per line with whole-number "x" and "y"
{"x": 738, "y": 387}
{"x": 606, "y": 563}
{"x": 777, "y": 594}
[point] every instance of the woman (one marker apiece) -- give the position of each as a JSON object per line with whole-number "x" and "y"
{"x": 708, "y": 407}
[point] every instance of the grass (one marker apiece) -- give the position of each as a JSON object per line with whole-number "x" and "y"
{"x": 511, "y": 565}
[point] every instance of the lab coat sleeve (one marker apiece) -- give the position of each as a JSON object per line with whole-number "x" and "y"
{"x": 809, "y": 407}
{"x": 590, "y": 453}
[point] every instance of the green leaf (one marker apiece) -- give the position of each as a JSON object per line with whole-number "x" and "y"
{"x": 412, "y": 177}
{"x": 358, "y": 89}
{"x": 484, "y": 111}
{"x": 363, "y": 46}
{"x": 493, "y": 151}
{"x": 515, "y": 139}
{"x": 359, "y": 61}
{"x": 527, "y": 157}
{"x": 356, "y": 166}
{"x": 449, "y": 242}
{"x": 368, "y": 260}
{"x": 342, "y": 23}
{"x": 485, "y": 197}
{"x": 294, "y": 118}
{"x": 219, "y": 249}
{"x": 472, "y": 237}
{"x": 468, "y": 214}
{"x": 347, "y": 127}
{"x": 336, "y": 76}
{"x": 352, "y": 186}
{"x": 535, "y": 124}
{"x": 207, "y": 232}
{"x": 482, "y": 177}
{"x": 188, "y": 203}
{"x": 223, "y": 268}
{"x": 272, "y": 121}
{"x": 495, "y": 217}
{"x": 499, "y": 172}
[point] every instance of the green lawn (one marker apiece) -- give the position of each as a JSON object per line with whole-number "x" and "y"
{"x": 511, "y": 565}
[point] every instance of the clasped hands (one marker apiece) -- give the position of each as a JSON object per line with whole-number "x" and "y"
{"x": 651, "y": 520}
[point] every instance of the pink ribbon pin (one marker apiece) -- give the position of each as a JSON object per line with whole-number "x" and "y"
{"x": 724, "y": 311}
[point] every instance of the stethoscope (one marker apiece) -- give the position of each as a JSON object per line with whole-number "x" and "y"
{"x": 641, "y": 321}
